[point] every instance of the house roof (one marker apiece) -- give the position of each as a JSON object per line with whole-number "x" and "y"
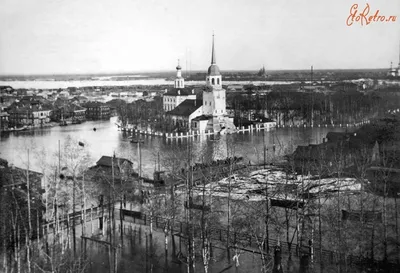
{"x": 337, "y": 136}
{"x": 186, "y": 108}
{"x": 107, "y": 162}
{"x": 71, "y": 107}
{"x": 14, "y": 176}
{"x": 79, "y": 98}
{"x": 24, "y": 108}
{"x": 202, "y": 117}
{"x": 95, "y": 104}
{"x": 315, "y": 152}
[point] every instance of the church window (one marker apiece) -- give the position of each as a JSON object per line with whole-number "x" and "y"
{"x": 212, "y": 81}
{"x": 217, "y": 81}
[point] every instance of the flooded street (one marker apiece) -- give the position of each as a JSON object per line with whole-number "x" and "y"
{"x": 107, "y": 139}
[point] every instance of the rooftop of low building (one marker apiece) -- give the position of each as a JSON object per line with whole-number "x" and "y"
{"x": 186, "y": 108}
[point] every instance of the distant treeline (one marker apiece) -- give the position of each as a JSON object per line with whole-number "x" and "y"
{"x": 289, "y": 106}
{"x": 341, "y": 105}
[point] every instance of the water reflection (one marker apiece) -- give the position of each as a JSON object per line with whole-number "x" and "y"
{"x": 106, "y": 139}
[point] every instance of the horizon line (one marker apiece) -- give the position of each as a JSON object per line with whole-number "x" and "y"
{"x": 192, "y": 71}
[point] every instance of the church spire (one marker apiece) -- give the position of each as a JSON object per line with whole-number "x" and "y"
{"x": 213, "y": 59}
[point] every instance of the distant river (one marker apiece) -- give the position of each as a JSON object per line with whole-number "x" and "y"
{"x": 107, "y": 139}
{"x": 55, "y": 84}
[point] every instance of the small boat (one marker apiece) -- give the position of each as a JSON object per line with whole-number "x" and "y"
{"x": 15, "y": 129}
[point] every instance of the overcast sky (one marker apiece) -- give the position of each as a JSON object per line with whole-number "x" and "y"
{"x": 89, "y": 36}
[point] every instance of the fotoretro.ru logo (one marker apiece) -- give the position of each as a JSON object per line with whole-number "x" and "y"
{"x": 366, "y": 16}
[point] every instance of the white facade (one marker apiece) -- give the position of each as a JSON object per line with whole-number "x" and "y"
{"x": 199, "y": 125}
{"x": 214, "y": 81}
{"x": 214, "y": 102}
{"x": 170, "y": 102}
{"x": 41, "y": 114}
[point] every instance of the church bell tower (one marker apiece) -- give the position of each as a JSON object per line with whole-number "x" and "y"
{"x": 179, "y": 81}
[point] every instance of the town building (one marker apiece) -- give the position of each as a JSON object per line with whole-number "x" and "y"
{"x": 79, "y": 99}
{"x": 3, "y": 121}
{"x": 96, "y": 110}
{"x": 107, "y": 167}
{"x": 69, "y": 112}
{"x": 394, "y": 71}
{"x": 339, "y": 151}
{"x": 6, "y": 89}
{"x": 35, "y": 115}
{"x": 179, "y": 93}
{"x": 66, "y": 110}
{"x": 14, "y": 194}
{"x": 211, "y": 115}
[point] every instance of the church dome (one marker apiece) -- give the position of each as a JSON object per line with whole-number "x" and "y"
{"x": 213, "y": 70}
{"x": 178, "y": 67}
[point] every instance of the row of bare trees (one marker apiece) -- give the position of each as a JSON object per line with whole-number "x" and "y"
{"x": 349, "y": 223}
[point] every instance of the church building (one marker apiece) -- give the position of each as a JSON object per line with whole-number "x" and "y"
{"x": 179, "y": 93}
{"x": 394, "y": 71}
{"x": 209, "y": 114}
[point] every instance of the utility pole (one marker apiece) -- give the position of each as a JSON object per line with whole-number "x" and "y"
{"x": 29, "y": 218}
{"x": 73, "y": 215}
{"x": 312, "y": 94}
{"x": 112, "y": 219}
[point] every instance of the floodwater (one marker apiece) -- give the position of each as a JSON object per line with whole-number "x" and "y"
{"x": 107, "y": 139}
